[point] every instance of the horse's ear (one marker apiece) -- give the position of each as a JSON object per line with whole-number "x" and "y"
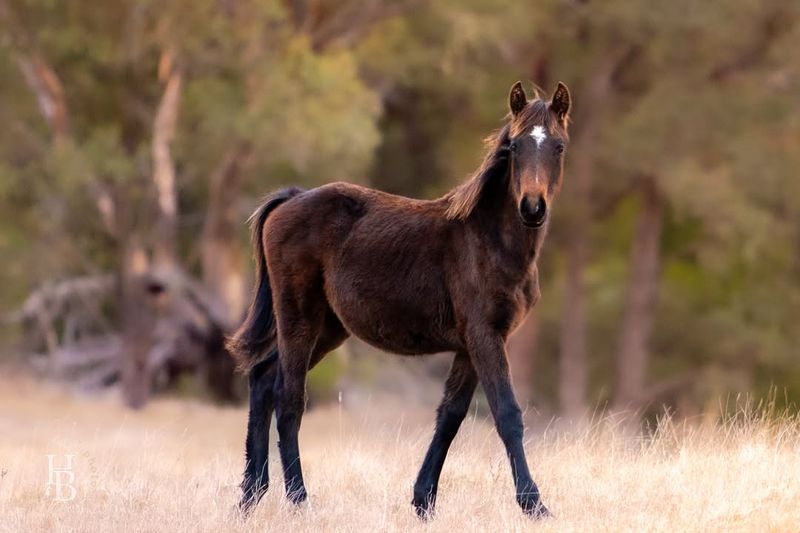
{"x": 560, "y": 103}
{"x": 517, "y": 99}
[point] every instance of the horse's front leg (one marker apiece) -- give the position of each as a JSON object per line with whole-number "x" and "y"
{"x": 458, "y": 393}
{"x": 488, "y": 353}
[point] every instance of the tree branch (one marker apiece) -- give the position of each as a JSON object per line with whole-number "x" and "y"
{"x": 768, "y": 30}
{"x": 49, "y": 93}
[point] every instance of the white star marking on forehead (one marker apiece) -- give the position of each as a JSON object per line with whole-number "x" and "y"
{"x": 539, "y": 134}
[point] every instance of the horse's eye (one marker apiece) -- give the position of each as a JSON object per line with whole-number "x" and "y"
{"x": 560, "y": 148}
{"x": 512, "y": 146}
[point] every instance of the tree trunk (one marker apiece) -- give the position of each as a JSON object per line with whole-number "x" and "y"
{"x": 137, "y": 314}
{"x": 573, "y": 363}
{"x": 223, "y": 271}
{"x": 137, "y": 323}
{"x": 640, "y": 299}
{"x": 165, "y": 245}
{"x": 521, "y": 358}
{"x": 221, "y": 257}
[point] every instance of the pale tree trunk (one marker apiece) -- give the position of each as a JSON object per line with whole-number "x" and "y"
{"x": 165, "y": 245}
{"x": 640, "y": 299}
{"x": 521, "y": 358}
{"x": 573, "y": 368}
{"x": 137, "y": 322}
{"x": 223, "y": 271}
{"x": 573, "y": 362}
{"x": 137, "y": 315}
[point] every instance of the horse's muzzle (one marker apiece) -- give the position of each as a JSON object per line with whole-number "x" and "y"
{"x": 533, "y": 214}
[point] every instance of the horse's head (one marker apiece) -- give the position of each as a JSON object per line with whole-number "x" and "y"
{"x": 537, "y": 138}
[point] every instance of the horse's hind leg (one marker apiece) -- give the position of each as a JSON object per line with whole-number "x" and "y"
{"x": 256, "y": 478}
{"x": 458, "y": 393}
{"x": 263, "y": 383}
{"x": 296, "y": 337}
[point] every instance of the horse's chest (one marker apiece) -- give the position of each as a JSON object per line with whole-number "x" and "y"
{"x": 509, "y": 308}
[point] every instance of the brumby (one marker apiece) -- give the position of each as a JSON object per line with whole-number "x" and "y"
{"x": 407, "y": 276}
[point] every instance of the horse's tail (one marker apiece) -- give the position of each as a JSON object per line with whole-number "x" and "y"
{"x": 256, "y": 337}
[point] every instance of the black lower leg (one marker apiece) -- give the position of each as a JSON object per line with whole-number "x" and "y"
{"x": 508, "y": 421}
{"x": 256, "y": 476}
{"x": 459, "y": 389}
{"x": 289, "y": 411}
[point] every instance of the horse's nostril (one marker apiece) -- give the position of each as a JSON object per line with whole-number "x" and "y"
{"x": 533, "y": 213}
{"x": 539, "y": 208}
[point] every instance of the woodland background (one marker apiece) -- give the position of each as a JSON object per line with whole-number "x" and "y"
{"x": 137, "y": 136}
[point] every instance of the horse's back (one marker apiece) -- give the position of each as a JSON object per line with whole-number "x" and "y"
{"x": 332, "y": 217}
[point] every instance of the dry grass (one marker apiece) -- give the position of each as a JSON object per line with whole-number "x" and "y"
{"x": 176, "y": 467}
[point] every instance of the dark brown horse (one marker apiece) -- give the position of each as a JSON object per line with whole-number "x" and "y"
{"x": 407, "y": 276}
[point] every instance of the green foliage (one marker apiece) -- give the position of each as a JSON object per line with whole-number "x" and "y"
{"x": 703, "y": 100}
{"x": 323, "y": 382}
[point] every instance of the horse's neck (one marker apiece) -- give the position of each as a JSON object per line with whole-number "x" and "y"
{"x": 505, "y": 235}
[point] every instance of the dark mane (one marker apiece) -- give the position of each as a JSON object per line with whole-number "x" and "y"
{"x": 463, "y": 199}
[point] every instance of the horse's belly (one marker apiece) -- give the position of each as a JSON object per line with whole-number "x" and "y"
{"x": 401, "y": 327}
{"x": 399, "y": 340}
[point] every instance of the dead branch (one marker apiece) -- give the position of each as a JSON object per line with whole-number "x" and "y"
{"x": 54, "y": 296}
{"x": 46, "y": 87}
{"x": 329, "y": 23}
{"x": 769, "y": 29}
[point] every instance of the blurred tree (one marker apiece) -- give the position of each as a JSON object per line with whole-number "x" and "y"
{"x": 258, "y": 101}
{"x": 138, "y": 133}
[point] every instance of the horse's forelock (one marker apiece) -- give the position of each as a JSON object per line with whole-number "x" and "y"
{"x": 464, "y": 198}
{"x": 537, "y": 113}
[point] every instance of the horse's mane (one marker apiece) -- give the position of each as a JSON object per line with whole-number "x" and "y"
{"x": 465, "y": 197}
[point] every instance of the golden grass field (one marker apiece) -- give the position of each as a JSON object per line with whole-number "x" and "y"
{"x": 176, "y": 467}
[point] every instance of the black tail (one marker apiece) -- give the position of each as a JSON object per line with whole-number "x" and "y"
{"x": 256, "y": 336}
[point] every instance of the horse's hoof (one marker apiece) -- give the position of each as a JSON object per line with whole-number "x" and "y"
{"x": 533, "y": 506}
{"x": 424, "y": 512}
{"x": 297, "y": 497}
{"x": 244, "y": 508}
{"x": 423, "y": 506}
{"x": 250, "y": 498}
{"x": 536, "y": 510}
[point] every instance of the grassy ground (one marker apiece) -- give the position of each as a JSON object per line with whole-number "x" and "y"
{"x": 176, "y": 465}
